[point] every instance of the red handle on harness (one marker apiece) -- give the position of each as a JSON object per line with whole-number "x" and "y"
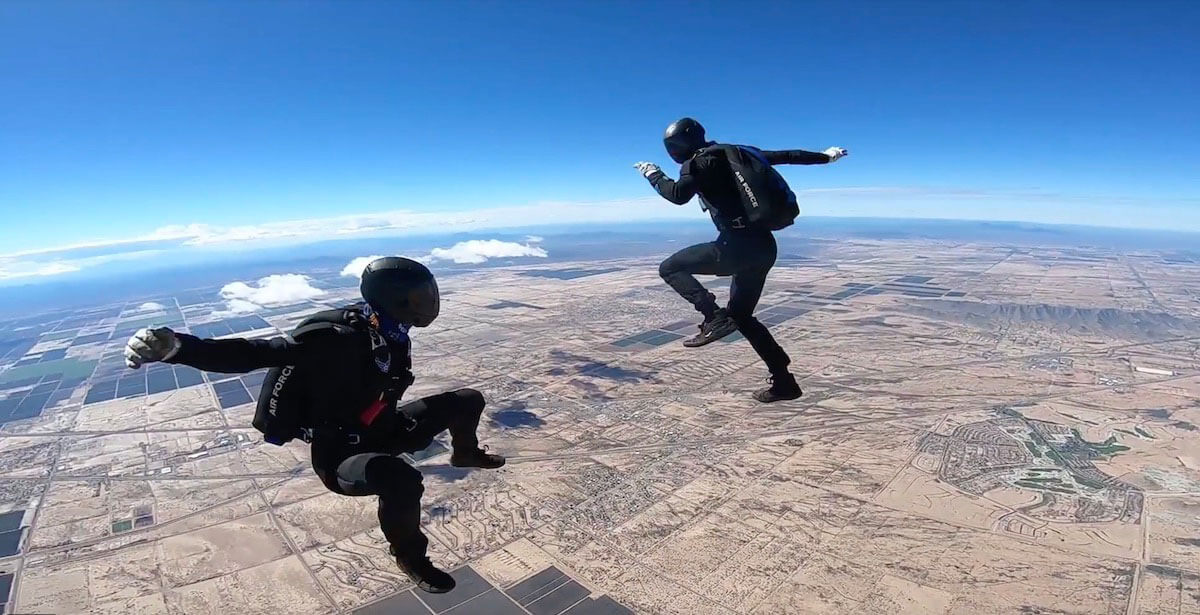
{"x": 372, "y": 411}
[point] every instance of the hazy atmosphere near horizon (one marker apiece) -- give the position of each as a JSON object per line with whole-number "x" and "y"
{"x": 990, "y": 306}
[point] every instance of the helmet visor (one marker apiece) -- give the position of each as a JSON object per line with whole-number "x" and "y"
{"x": 424, "y": 304}
{"x": 680, "y": 150}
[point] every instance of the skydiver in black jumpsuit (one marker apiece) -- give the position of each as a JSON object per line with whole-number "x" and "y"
{"x": 351, "y": 382}
{"x": 741, "y": 250}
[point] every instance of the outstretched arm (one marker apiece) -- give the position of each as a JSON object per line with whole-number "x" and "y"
{"x": 229, "y": 356}
{"x": 239, "y": 355}
{"x": 799, "y": 156}
{"x": 676, "y": 191}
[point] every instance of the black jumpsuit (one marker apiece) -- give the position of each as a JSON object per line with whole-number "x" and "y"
{"x": 356, "y": 438}
{"x": 742, "y": 251}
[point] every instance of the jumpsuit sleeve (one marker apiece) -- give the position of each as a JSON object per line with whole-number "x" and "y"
{"x": 677, "y": 191}
{"x": 242, "y": 355}
{"x": 795, "y": 156}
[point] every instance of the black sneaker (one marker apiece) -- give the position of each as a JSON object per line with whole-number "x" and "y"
{"x": 422, "y": 572}
{"x": 782, "y": 388}
{"x": 477, "y": 458}
{"x": 712, "y": 329}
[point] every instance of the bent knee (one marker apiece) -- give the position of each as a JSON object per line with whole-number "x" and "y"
{"x": 374, "y": 473}
{"x": 471, "y": 399}
{"x": 412, "y": 488}
{"x": 402, "y": 491}
{"x": 666, "y": 268}
{"x": 395, "y": 477}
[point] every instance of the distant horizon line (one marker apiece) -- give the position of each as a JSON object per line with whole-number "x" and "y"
{"x": 798, "y": 225}
{"x": 1079, "y": 225}
{"x": 36, "y": 267}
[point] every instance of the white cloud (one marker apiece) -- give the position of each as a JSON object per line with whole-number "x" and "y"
{"x": 480, "y": 250}
{"x": 75, "y": 257}
{"x": 882, "y": 201}
{"x": 470, "y": 252}
{"x": 354, "y": 268}
{"x": 319, "y": 228}
{"x": 534, "y": 239}
{"x": 53, "y": 262}
{"x": 408, "y": 221}
{"x": 33, "y": 269}
{"x": 151, "y": 306}
{"x": 235, "y": 307}
{"x": 273, "y": 290}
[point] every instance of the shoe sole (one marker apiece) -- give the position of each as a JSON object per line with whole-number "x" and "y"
{"x": 425, "y": 587}
{"x": 718, "y": 334}
{"x": 434, "y": 590}
{"x": 771, "y": 401}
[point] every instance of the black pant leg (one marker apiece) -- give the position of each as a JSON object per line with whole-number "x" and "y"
{"x": 457, "y": 411}
{"x": 679, "y": 270}
{"x": 399, "y": 488}
{"x": 744, "y": 293}
{"x": 745, "y": 289}
{"x": 755, "y": 255}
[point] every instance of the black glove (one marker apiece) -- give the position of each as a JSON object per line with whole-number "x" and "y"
{"x": 401, "y": 383}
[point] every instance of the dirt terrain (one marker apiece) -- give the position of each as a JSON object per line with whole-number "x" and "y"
{"x": 985, "y": 429}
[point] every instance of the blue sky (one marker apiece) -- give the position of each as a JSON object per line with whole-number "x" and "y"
{"x": 120, "y": 119}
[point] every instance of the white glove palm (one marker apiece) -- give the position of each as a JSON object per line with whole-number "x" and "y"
{"x": 647, "y": 169}
{"x": 150, "y": 345}
{"x": 836, "y": 152}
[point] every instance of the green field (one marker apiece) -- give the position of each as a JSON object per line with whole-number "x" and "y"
{"x": 147, "y": 321}
{"x": 1044, "y": 487}
{"x": 58, "y": 335}
{"x": 69, "y": 368}
{"x": 1107, "y": 447}
{"x": 1088, "y": 483}
{"x": 1053, "y": 454}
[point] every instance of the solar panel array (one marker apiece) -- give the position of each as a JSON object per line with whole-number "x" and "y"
{"x": 19, "y": 403}
{"x": 549, "y": 592}
{"x": 156, "y": 378}
{"x": 229, "y": 326}
{"x": 239, "y": 390}
{"x": 567, "y": 274}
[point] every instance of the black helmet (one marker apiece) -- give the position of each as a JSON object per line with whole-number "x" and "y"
{"x": 683, "y": 139}
{"x": 401, "y": 289}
